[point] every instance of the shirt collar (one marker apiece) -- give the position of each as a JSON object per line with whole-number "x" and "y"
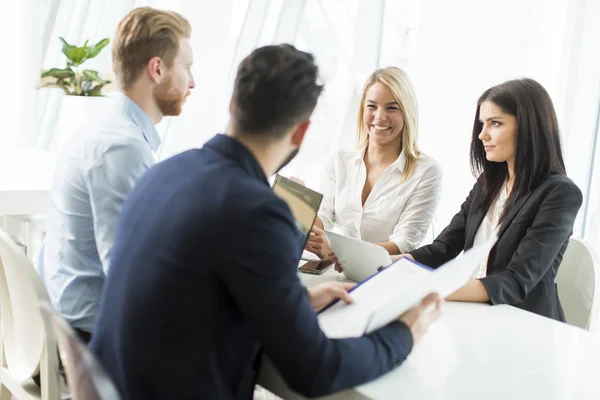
{"x": 139, "y": 117}
{"x": 238, "y": 153}
{"x": 359, "y": 156}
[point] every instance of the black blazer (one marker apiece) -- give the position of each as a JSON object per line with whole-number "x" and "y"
{"x": 531, "y": 242}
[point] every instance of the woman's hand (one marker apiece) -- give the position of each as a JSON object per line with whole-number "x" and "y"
{"x": 399, "y": 256}
{"x": 337, "y": 265}
{"x": 318, "y": 243}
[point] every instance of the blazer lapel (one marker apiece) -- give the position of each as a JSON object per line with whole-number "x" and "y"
{"x": 512, "y": 213}
{"x": 473, "y": 224}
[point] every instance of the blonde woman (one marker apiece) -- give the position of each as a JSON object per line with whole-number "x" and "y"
{"x": 385, "y": 191}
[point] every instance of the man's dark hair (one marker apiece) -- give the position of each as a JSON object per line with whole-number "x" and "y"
{"x": 275, "y": 88}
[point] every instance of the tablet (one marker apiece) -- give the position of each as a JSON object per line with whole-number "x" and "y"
{"x": 303, "y": 202}
{"x": 359, "y": 259}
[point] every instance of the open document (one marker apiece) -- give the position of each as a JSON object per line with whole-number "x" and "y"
{"x": 386, "y": 295}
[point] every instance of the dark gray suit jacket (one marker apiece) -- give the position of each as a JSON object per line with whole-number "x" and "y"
{"x": 531, "y": 243}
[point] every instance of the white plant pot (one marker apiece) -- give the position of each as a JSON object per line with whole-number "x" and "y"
{"x": 75, "y": 111}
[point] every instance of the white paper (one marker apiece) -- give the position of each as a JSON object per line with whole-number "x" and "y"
{"x": 343, "y": 320}
{"x": 387, "y": 295}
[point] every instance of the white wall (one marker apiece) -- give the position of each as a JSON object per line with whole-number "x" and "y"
{"x": 581, "y": 119}
{"x": 465, "y": 47}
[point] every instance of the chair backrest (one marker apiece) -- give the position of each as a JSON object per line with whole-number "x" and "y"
{"x": 28, "y": 346}
{"x": 86, "y": 378}
{"x": 577, "y": 281}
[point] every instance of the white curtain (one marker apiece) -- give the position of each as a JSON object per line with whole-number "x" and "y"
{"x": 19, "y": 67}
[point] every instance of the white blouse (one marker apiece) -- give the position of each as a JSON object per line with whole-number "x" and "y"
{"x": 395, "y": 210}
{"x": 490, "y": 226}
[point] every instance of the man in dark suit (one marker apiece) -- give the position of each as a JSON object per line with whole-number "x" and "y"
{"x": 204, "y": 269}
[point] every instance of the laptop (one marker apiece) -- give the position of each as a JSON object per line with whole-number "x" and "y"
{"x": 303, "y": 202}
{"x": 359, "y": 259}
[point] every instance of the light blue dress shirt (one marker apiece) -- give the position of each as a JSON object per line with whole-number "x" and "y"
{"x": 96, "y": 170}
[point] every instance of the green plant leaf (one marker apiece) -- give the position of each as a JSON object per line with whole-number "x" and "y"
{"x": 66, "y": 46}
{"x": 75, "y": 55}
{"x": 67, "y": 49}
{"x": 59, "y": 73}
{"x": 91, "y": 75}
{"x": 95, "y": 49}
{"x": 65, "y": 86}
{"x": 95, "y": 91}
{"x": 52, "y": 85}
{"x": 79, "y": 55}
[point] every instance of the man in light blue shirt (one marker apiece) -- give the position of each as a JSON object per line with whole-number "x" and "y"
{"x": 101, "y": 163}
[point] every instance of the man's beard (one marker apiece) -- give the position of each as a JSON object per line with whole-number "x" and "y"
{"x": 168, "y": 98}
{"x": 289, "y": 158}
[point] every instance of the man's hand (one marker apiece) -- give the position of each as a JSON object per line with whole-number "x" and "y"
{"x": 318, "y": 243}
{"x": 323, "y": 294}
{"x": 420, "y": 317}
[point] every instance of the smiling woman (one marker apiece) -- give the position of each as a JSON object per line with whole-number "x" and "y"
{"x": 385, "y": 191}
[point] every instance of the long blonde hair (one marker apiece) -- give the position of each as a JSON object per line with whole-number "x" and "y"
{"x": 404, "y": 93}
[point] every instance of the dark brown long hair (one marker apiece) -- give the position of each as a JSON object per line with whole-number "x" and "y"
{"x": 538, "y": 154}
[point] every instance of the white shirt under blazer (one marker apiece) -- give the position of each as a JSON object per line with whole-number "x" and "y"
{"x": 396, "y": 210}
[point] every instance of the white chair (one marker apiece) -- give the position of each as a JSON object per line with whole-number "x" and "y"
{"x": 578, "y": 283}
{"x": 28, "y": 345}
{"x": 86, "y": 378}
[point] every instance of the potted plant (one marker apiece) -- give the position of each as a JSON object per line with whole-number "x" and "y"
{"x": 72, "y": 79}
{"x": 82, "y": 88}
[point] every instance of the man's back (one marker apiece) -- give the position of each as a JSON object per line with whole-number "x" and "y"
{"x": 96, "y": 170}
{"x": 204, "y": 275}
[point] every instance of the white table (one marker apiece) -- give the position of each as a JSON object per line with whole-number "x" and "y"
{"x": 25, "y": 180}
{"x": 26, "y": 175}
{"x": 475, "y": 351}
